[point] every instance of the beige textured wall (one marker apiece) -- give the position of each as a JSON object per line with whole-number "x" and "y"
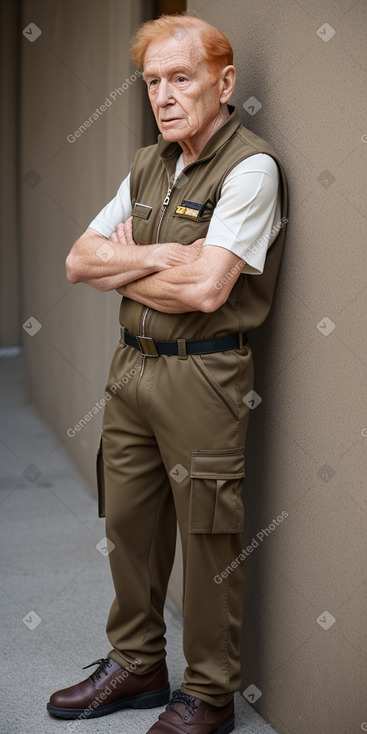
{"x": 306, "y": 452}
{"x": 69, "y": 70}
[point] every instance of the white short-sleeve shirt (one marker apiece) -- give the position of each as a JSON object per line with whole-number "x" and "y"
{"x": 248, "y": 211}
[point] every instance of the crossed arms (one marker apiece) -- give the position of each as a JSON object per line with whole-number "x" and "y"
{"x": 168, "y": 277}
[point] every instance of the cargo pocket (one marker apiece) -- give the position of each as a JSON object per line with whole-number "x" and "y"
{"x": 100, "y": 482}
{"x": 216, "y": 485}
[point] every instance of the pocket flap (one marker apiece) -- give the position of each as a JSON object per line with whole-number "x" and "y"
{"x": 216, "y": 484}
{"x": 213, "y": 464}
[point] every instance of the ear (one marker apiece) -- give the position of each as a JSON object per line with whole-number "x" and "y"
{"x": 227, "y": 79}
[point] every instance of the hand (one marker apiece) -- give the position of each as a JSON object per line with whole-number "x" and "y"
{"x": 123, "y": 234}
{"x": 164, "y": 254}
{"x": 171, "y": 254}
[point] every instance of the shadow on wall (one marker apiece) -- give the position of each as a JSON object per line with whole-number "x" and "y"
{"x": 264, "y": 342}
{"x": 259, "y": 515}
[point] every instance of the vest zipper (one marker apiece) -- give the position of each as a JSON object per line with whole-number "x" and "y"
{"x": 143, "y": 355}
{"x": 145, "y": 313}
{"x": 143, "y": 320}
{"x": 164, "y": 207}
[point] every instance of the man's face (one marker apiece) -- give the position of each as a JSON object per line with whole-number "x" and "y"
{"x": 184, "y": 100}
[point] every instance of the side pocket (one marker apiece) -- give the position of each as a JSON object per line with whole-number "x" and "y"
{"x": 216, "y": 484}
{"x": 100, "y": 482}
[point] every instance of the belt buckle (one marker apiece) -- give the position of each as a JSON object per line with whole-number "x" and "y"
{"x": 147, "y": 346}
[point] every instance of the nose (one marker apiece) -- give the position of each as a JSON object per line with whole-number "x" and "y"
{"x": 164, "y": 96}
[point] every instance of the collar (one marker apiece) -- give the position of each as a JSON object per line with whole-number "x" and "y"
{"x": 171, "y": 151}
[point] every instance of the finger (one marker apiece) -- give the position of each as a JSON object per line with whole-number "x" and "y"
{"x": 129, "y": 231}
{"x": 113, "y": 237}
{"x": 121, "y": 234}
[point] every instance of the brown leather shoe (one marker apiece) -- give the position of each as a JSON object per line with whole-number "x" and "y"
{"x": 189, "y": 715}
{"x": 109, "y": 689}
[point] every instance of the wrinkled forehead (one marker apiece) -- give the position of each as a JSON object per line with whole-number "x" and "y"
{"x": 181, "y": 46}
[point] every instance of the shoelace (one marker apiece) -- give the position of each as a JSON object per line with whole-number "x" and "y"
{"x": 102, "y": 663}
{"x": 179, "y": 696}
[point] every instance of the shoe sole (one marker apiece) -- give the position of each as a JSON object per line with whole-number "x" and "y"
{"x": 226, "y": 727}
{"x": 147, "y": 700}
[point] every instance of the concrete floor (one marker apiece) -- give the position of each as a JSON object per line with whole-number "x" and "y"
{"x": 55, "y": 588}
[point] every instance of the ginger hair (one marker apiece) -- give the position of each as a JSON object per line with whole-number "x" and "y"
{"x": 216, "y": 48}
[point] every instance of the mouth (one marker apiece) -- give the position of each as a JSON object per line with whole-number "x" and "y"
{"x": 170, "y": 119}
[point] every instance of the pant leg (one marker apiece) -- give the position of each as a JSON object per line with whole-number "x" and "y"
{"x": 200, "y": 421}
{"x": 140, "y": 521}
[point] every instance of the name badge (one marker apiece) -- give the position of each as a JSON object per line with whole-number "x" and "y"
{"x": 190, "y": 208}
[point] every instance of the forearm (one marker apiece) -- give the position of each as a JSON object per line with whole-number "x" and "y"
{"x": 176, "y": 290}
{"x": 192, "y": 286}
{"x": 106, "y": 265}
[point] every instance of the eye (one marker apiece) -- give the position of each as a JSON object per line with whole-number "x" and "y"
{"x": 153, "y": 82}
{"x": 181, "y": 79}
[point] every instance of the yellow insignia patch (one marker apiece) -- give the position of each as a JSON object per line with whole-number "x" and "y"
{"x": 187, "y": 210}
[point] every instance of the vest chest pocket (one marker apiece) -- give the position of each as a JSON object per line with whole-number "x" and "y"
{"x": 205, "y": 217}
{"x": 215, "y": 496}
{"x": 186, "y": 228}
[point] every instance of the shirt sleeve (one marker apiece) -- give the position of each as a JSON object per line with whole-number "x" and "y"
{"x": 116, "y": 211}
{"x": 246, "y": 219}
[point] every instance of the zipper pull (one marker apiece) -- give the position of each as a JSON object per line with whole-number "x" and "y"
{"x": 166, "y": 201}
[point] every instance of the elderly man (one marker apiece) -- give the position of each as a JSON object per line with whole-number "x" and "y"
{"x": 193, "y": 243}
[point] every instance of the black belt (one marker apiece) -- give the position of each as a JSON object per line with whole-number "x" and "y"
{"x": 150, "y": 348}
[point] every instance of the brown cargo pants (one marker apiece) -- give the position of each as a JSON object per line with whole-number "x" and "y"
{"x": 172, "y": 449}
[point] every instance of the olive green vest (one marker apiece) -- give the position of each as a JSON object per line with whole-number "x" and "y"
{"x": 181, "y": 212}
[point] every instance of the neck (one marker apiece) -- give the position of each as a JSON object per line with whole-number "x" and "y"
{"x": 192, "y": 147}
